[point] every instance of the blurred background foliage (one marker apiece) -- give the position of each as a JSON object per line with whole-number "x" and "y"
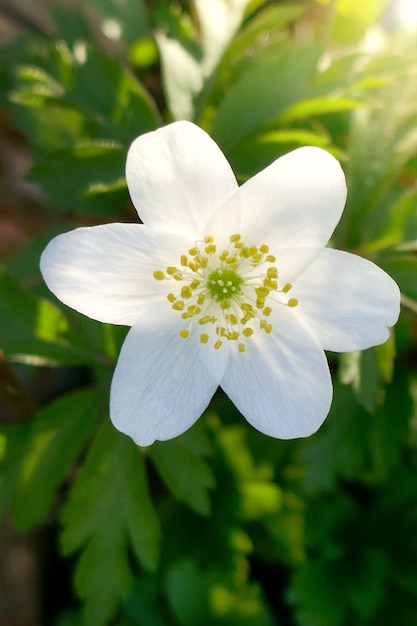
{"x": 222, "y": 526}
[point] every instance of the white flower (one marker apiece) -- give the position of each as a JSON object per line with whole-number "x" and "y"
{"x": 223, "y": 285}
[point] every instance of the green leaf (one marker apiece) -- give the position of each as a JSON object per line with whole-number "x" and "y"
{"x": 187, "y": 593}
{"x": 255, "y": 153}
{"x": 368, "y": 371}
{"x": 128, "y": 19}
{"x": 315, "y": 107}
{"x": 109, "y": 510}
{"x": 356, "y": 445}
{"x": 55, "y": 438}
{"x": 376, "y": 159}
{"x": 353, "y": 17}
{"x": 183, "y": 468}
{"x": 403, "y": 269}
{"x": 86, "y": 177}
{"x": 256, "y": 99}
{"x": 31, "y": 327}
{"x": 112, "y": 98}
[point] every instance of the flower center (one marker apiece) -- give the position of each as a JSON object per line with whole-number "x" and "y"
{"x": 224, "y": 294}
{"x": 223, "y": 284}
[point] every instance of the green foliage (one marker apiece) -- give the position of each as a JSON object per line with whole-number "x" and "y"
{"x": 221, "y": 526}
{"x": 108, "y": 510}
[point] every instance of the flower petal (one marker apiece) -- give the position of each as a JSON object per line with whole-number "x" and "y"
{"x": 348, "y": 302}
{"x": 296, "y": 202}
{"x": 281, "y": 384}
{"x": 178, "y": 177}
{"x": 106, "y": 272}
{"x": 161, "y": 384}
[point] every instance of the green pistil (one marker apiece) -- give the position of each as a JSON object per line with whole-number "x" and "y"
{"x": 223, "y": 284}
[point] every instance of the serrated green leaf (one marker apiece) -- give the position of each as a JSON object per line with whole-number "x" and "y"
{"x": 55, "y": 437}
{"x": 108, "y": 511}
{"x": 183, "y": 468}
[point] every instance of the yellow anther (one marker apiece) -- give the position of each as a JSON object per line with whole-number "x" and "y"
{"x": 204, "y": 338}
{"x": 286, "y": 288}
{"x": 224, "y": 255}
{"x": 234, "y": 238}
{"x": 292, "y": 302}
{"x": 177, "y": 276}
{"x": 206, "y": 319}
{"x": 232, "y": 335}
{"x": 158, "y": 275}
{"x": 270, "y": 283}
{"x": 265, "y": 326}
{"x": 193, "y": 251}
{"x": 272, "y": 272}
{"x": 247, "y": 332}
{"x": 178, "y": 306}
{"x": 245, "y": 306}
{"x": 193, "y": 266}
{"x": 267, "y": 311}
{"x": 262, "y": 292}
{"x": 225, "y": 304}
{"x": 186, "y": 292}
{"x": 171, "y": 297}
{"x": 194, "y": 284}
{"x": 218, "y": 344}
{"x": 231, "y": 259}
{"x": 184, "y": 333}
{"x": 264, "y": 248}
{"x": 256, "y": 259}
{"x": 210, "y": 249}
{"x": 208, "y": 239}
{"x": 171, "y": 270}
{"x": 232, "y": 318}
{"x": 184, "y": 260}
{"x": 194, "y": 309}
{"x": 270, "y": 258}
{"x": 201, "y": 298}
{"x": 241, "y": 347}
{"x": 247, "y": 317}
{"x": 260, "y": 303}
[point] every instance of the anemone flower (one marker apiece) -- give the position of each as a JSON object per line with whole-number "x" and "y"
{"x": 223, "y": 286}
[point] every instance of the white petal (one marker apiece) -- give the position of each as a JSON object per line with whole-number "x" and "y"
{"x": 106, "y": 272}
{"x": 177, "y": 178}
{"x": 161, "y": 384}
{"x": 348, "y": 302}
{"x": 294, "y": 205}
{"x": 281, "y": 384}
